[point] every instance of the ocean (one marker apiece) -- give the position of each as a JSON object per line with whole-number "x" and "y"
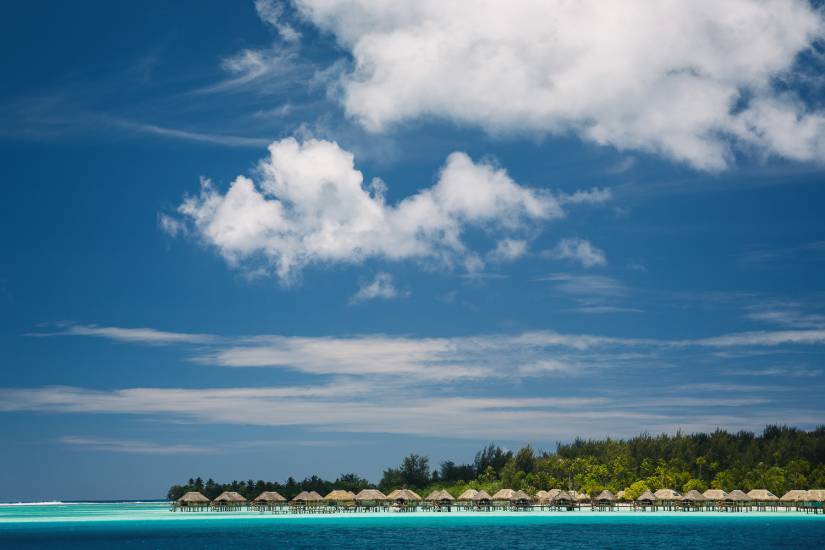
{"x": 151, "y": 525}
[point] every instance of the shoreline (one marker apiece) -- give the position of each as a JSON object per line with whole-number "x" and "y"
{"x": 130, "y": 512}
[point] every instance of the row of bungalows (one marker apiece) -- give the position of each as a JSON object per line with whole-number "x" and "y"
{"x": 406, "y": 500}
{"x": 810, "y": 501}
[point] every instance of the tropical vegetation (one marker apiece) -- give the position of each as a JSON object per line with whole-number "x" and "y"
{"x": 779, "y": 459}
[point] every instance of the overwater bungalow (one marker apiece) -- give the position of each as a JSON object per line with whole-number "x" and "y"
{"x": 228, "y": 500}
{"x": 791, "y": 498}
{"x": 404, "y": 500}
{"x": 482, "y": 501}
{"x": 581, "y": 498}
{"x": 371, "y": 499}
{"x": 191, "y": 502}
{"x": 693, "y": 500}
{"x": 542, "y": 498}
{"x": 341, "y": 500}
{"x": 510, "y": 499}
{"x": 812, "y": 501}
{"x": 269, "y": 501}
{"x": 562, "y": 500}
{"x": 502, "y": 498}
{"x": 465, "y": 499}
{"x": 604, "y": 501}
{"x": 645, "y": 501}
{"x": 504, "y": 495}
{"x": 441, "y": 500}
{"x": 715, "y": 497}
{"x": 667, "y": 498}
{"x": 521, "y": 501}
{"x": 763, "y": 499}
{"x": 736, "y": 501}
{"x": 306, "y": 501}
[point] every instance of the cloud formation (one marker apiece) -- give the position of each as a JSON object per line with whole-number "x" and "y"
{"x": 579, "y": 250}
{"x": 489, "y": 385}
{"x": 526, "y": 418}
{"x": 310, "y": 205}
{"x": 272, "y": 12}
{"x": 381, "y": 287}
{"x": 683, "y": 79}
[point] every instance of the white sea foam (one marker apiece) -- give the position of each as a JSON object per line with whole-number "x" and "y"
{"x": 44, "y": 503}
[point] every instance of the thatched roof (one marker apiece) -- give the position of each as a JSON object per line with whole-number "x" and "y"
{"x": 469, "y": 494}
{"x": 542, "y": 496}
{"x": 694, "y": 496}
{"x": 504, "y": 494}
{"x": 307, "y": 496}
{"x": 606, "y": 496}
{"x": 269, "y": 496}
{"x": 667, "y": 494}
{"x": 437, "y": 496}
{"x": 582, "y": 497}
{"x": 370, "y": 494}
{"x": 737, "y": 496}
{"x": 551, "y": 494}
{"x": 561, "y": 496}
{"x": 482, "y": 495}
{"x": 793, "y": 495}
{"x": 647, "y": 496}
{"x": 762, "y": 495}
{"x": 816, "y": 494}
{"x": 192, "y": 497}
{"x": 229, "y": 496}
{"x": 339, "y": 495}
{"x": 403, "y": 494}
{"x": 715, "y": 494}
{"x": 521, "y": 495}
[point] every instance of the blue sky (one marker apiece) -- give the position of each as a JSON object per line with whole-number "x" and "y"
{"x": 261, "y": 240}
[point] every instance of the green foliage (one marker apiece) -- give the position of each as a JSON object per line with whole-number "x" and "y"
{"x": 778, "y": 459}
{"x": 696, "y": 484}
{"x": 414, "y": 473}
{"x": 635, "y": 490}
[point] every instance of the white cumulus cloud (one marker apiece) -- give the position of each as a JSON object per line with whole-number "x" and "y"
{"x": 310, "y": 205}
{"x": 687, "y": 79}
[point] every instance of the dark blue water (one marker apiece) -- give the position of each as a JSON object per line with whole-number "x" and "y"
{"x": 580, "y": 531}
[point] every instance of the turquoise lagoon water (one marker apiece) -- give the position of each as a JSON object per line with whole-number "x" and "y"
{"x": 152, "y": 525}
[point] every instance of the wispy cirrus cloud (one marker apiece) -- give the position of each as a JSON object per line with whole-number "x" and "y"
{"x": 140, "y": 446}
{"x": 785, "y": 371}
{"x": 274, "y": 13}
{"x": 141, "y": 335}
{"x": 530, "y": 418}
{"x": 189, "y": 135}
{"x": 593, "y": 294}
{"x": 131, "y": 446}
{"x": 360, "y": 359}
{"x": 785, "y": 313}
{"x": 464, "y": 387}
{"x": 765, "y": 338}
{"x": 780, "y": 256}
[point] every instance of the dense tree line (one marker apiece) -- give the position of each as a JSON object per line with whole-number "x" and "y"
{"x": 778, "y": 459}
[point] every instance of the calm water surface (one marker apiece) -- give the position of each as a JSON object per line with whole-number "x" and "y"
{"x": 126, "y": 526}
